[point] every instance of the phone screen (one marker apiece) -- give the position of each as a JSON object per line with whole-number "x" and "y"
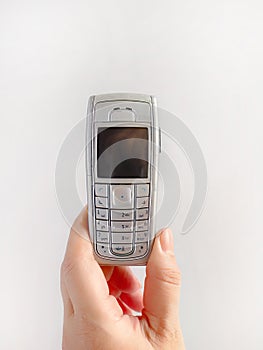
{"x": 122, "y": 152}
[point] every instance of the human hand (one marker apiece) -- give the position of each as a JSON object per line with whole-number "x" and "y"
{"x": 98, "y": 300}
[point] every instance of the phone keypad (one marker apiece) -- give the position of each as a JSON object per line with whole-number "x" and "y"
{"x": 122, "y": 213}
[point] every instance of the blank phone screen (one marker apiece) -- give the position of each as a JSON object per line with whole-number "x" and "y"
{"x": 122, "y": 152}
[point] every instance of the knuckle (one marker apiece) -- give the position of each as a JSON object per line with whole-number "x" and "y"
{"x": 67, "y": 266}
{"x": 171, "y": 276}
{"x": 73, "y": 263}
{"x": 161, "y": 332}
{"x": 82, "y": 317}
{"x": 165, "y": 336}
{"x": 169, "y": 336}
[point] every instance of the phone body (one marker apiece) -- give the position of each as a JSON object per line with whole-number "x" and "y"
{"x": 123, "y": 142}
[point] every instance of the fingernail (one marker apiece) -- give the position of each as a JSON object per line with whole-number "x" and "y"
{"x": 166, "y": 240}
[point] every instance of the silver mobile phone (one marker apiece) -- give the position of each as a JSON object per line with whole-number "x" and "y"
{"x": 123, "y": 142}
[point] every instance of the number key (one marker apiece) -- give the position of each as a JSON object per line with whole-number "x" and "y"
{"x": 102, "y": 214}
{"x": 122, "y": 215}
{"x": 122, "y": 226}
{"x": 142, "y": 214}
{"x": 141, "y": 237}
{"x": 102, "y": 225}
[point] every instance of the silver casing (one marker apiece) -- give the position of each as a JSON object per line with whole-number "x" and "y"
{"x": 99, "y": 114}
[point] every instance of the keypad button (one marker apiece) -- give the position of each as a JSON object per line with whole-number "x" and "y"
{"x": 103, "y": 236}
{"x": 141, "y": 225}
{"x": 102, "y": 225}
{"x": 117, "y": 237}
{"x": 141, "y": 236}
{"x": 142, "y": 202}
{"x": 141, "y": 249}
{"x": 142, "y": 190}
{"x": 102, "y": 214}
{"x": 122, "y": 214}
{"x": 101, "y": 202}
{"x": 101, "y": 190}
{"x": 122, "y": 196}
{"x": 104, "y": 250}
{"x": 142, "y": 214}
{"x": 122, "y": 226}
{"x": 121, "y": 249}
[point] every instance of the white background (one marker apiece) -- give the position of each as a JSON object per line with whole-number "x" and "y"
{"x": 203, "y": 61}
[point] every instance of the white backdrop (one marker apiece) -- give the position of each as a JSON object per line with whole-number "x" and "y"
{"x": 203, "y": 61}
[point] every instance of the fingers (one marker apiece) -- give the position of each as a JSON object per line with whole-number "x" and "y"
{"x": 125, "y": 286}
{"x": 125, "y": 309}
{"x": 83, "y": 278}
{"x": 133, "y": 300}
{"x": 162, "y": 285}
{"x": 124, "y": 280}
{"x": 107, "y": 270}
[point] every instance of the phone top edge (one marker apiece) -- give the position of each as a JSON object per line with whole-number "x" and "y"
{"x": 126, "y": 96}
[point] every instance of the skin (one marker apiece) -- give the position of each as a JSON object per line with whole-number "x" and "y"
{"x": 99, "y": 301}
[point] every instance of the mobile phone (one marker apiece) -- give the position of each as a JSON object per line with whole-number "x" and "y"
{"x": 123, "y": 142}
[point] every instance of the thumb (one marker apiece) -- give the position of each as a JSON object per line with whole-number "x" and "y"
{"x": 162, "y": 285}
{"x": 82, "y": 278}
